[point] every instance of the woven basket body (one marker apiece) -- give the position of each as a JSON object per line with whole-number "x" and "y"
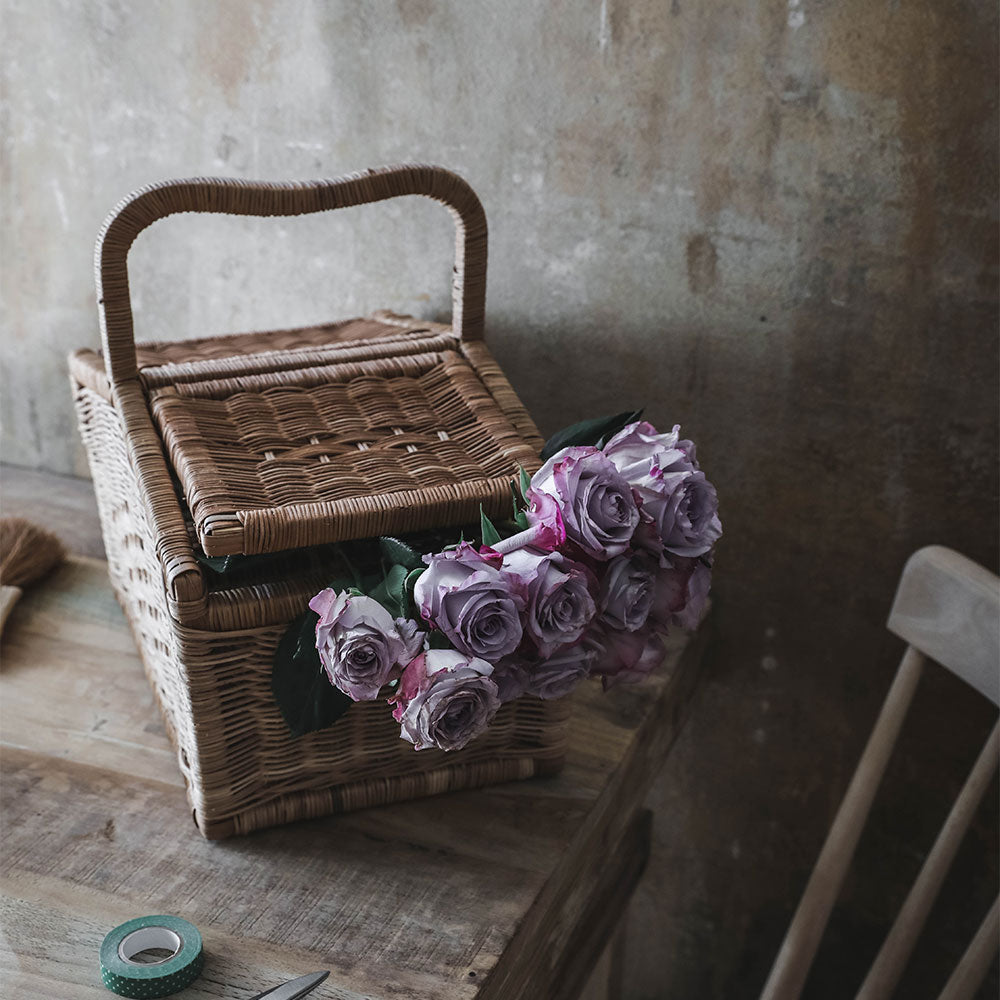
{"x": 288, "y": 440}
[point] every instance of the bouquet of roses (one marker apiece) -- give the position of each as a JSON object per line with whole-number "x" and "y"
{"x": 609, "y": 545}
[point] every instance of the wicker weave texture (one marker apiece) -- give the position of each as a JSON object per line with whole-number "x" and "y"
{"x": 286, "y": 459}
{"x": 272, "y": 441}
{"x": 242, "y": 770}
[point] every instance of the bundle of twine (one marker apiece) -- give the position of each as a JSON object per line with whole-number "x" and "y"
{"x": 27, "y": 553}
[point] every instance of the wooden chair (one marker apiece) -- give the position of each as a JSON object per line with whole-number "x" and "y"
{"x": 947, "y": 609}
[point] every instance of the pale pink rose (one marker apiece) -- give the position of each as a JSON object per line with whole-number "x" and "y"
{"x": 445, "y": 699}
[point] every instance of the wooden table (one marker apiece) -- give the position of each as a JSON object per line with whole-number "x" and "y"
{"x": 513, "y": 891}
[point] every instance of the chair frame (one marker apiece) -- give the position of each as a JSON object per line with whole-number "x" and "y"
{"x": 947, "y": 609}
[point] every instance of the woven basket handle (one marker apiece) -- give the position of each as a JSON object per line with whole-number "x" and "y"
{"x": 237, "y": 197}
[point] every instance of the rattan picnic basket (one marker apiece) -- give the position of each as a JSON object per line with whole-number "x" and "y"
{"x": 277, "y": 444}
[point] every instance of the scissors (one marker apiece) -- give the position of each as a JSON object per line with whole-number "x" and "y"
{"x": 294, "y": 989}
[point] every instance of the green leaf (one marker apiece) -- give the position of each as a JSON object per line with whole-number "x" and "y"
{"x": 391, "y": 593}
{"x": 394, "y": 550}
{"x": 307, "y": 700}
{"x": 395, "y": 583}
{"x": 618, "y": 425}
{"x": 525, "y": 483}
{"x": 380, "y": 593}
{"x": 490, "y": 534}
{"x": 588, "y": 432}
{"x": 515, "y": 500}
{"x": 411, "y": 580}
{"x": 522, "y": 521}
{"x": 227, "y": 564}
{"x": 438, "y": 640}
{"x": 217, "y": 564}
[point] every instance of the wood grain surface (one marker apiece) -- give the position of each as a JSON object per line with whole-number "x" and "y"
{"x": 511, "y": 891}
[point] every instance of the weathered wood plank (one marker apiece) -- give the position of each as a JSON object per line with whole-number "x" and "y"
{"x": 483, "y": 893}
{"x": 540, "y": 941}
{"x": 597, "y": 925}
{"x": 73, "y": 684}
{"x": 63, "y": 504}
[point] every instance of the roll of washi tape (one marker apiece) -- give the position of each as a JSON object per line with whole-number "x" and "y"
{"x": 123, "y": 975}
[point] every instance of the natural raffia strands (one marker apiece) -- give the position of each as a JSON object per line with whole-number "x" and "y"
{"x": 263, "y": 442}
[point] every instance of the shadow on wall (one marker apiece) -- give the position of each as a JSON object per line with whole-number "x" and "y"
{"x": 829, "y": 474}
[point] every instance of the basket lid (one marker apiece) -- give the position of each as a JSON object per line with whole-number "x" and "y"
{"x": 397, "y": 435}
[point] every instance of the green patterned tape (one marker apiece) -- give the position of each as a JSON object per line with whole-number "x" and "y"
{"x": 129, "y": 978}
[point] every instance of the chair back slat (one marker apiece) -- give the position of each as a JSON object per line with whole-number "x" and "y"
{"x": 975, "y": 963}
{"x": 891, "y": 959}
{"x": 949, "y": 608}
{"x": 799, "y": 947}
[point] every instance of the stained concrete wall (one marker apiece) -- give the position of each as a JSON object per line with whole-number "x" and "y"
{"x": 774, "y": 222}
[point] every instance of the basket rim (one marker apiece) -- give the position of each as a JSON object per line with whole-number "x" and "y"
{"x": 270, "y": 461}
{"x": 193, "y": 597}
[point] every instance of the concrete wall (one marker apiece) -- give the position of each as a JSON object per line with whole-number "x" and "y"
{"x": 773, "y": 222}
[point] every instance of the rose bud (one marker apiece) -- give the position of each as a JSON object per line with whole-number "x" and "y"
{"x": 466, "y": 595}
{"x": 445, "y": 699}
{"x": 558, "y": 593}
{"x": 595, "y": 503}
{"x": 627, "y": 590}
{"x": 360, "y": 647}
{"x": 545, "y": 517}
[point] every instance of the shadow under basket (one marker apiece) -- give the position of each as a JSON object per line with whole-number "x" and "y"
{"x": 263, "y": 443}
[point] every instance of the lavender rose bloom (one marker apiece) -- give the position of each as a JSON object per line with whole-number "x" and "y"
{"x": 627, "y": 590}
{"x": 678, "y": 502}
{"x": 466, "y": 595}
{"x": 682, "y": 592}
{"x": 511, "y": 678}
{"x": 625, "y": 656}
{"x": 634, "y": 447}
{"x": 360, "y": 646}
{"x": 445, "y": 699}
{"x": 557, "y": 675}
{"x": 595, "y": 503}
{"x": 558, "y": 595}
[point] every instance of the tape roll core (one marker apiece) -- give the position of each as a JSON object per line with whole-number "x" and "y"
{"x": 147, "y": 939}
{"x": 122, "y": 974}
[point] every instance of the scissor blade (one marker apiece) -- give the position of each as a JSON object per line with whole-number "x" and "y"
{"x": 294, "y": 989}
